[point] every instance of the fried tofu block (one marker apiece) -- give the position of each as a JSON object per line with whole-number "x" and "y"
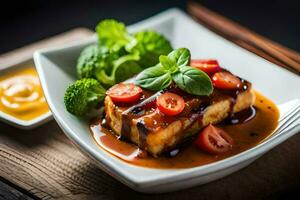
{"x": 156, "y": 133}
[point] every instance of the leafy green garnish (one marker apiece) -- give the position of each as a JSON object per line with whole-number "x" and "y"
{"x": 150, "y": 45}
{"x": 114, "y": 35}
{"x": 193, "y": 81}
{"x": 181, "y": 56}
{"x": 83, "y": 95}
{"x": 91, "y": 58}
{"x": 154, "y": 78}
{"x": 116, "y": 56}
{"x": 119, "y": 55}
{"x": 126, "y": 67}
{"x": 108, "y": 68}
{"x": 123, "y": 68}
{"x": 174, "y": 68}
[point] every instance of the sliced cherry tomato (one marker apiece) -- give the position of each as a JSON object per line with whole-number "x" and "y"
{"x": 214, "y": 140}
{"x": 125, "y": 93}
{"x": 208, "y": 66}
{"x": 225, "y": 80}
{"x": 170, "y": 103}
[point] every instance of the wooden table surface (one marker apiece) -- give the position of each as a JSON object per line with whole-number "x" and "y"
{"x": 43, "y": 164}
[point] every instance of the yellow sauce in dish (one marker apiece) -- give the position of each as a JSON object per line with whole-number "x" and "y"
{"x": 21, "y": 95}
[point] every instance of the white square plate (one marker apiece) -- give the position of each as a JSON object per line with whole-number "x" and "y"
{"x": 56, "y": 68}
{"x": 23, "y": 124}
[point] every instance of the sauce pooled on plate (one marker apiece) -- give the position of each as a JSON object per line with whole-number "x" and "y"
{"x": 247, "y": 128}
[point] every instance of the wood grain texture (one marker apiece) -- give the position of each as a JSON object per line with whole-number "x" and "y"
{"x": 43, "y": 162}
{"x": 47, "y": 165}
{"x": 8, "y": 192}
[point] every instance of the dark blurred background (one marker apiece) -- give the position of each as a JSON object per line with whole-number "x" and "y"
{"x": 23, "y": 22}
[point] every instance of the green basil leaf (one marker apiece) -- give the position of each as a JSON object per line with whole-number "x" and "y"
{"x": 193, "y": 81}
{"x": 181, "y": 56}
{"x": 154, "y": 78}
{"x": 168, "y": 64}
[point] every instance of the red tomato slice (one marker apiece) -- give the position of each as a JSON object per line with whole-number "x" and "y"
{"x": 208, "y": 66}
{"x": 125, "y": 93}
{"x": 170, "y": 103}
{"x": 214, "y": 140}
{"x": 225, "y": 80}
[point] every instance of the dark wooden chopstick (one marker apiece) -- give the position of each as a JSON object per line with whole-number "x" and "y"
{"x": 242, "y": 36}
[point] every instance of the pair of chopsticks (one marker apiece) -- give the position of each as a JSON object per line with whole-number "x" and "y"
{"x": 245, "y": 38}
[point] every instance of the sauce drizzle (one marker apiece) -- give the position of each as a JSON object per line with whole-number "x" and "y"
{"x": 248, "y": 128}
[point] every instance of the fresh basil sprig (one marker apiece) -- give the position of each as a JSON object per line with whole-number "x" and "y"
{"x": 154, "y": 78}
{"x": 193, "y": 81}
{"x": 174, "y": 67}
{"x": 181, "y": 56}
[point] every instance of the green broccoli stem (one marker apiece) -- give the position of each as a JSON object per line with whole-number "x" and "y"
{"x": 105, "y": 79}
{"x": 96, "y": 94}
{"x": 110, "y": 80}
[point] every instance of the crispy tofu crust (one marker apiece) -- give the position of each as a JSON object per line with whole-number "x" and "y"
{"x": 156, "y": 133}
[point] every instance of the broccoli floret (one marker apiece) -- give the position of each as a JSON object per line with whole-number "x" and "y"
{"x": 83, "y": 95}
{"x": 97, "y": 62}
{"x": 150, "y": 46}
{"x": 92, "y": 58}
{"x": 114, "y": 35}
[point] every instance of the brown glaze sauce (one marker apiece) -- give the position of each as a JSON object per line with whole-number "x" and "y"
{"x": 248, "y": 128}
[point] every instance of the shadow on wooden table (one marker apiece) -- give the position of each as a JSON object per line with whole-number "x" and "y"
{"x": 43, "y": 162}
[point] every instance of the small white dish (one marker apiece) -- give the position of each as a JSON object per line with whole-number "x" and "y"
{"x": 23, "y": 124}
{"x": 56, "y": 68}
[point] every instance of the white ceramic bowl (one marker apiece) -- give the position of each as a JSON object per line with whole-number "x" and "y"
{"x": 56, "y": 68}
{"x": 19, "y": 123}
